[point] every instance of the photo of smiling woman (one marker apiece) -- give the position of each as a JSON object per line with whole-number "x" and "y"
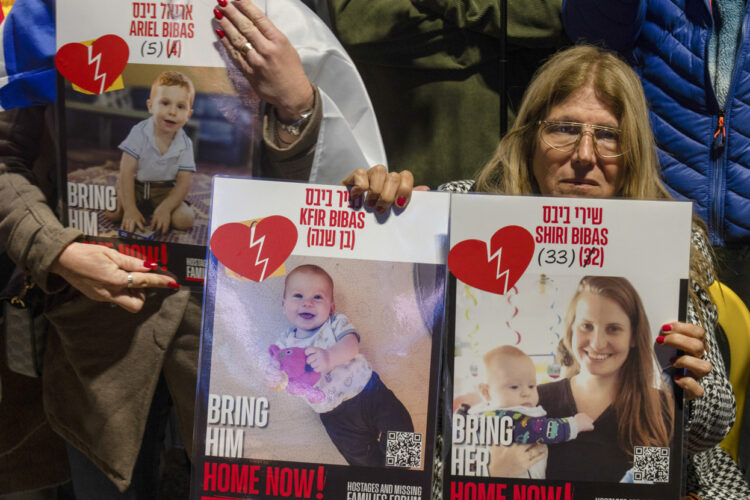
{"x": 612, "y": 376}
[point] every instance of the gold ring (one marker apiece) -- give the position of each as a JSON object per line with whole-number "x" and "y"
{"x": 130, "y": 280}
{"x": 247, "y": 47}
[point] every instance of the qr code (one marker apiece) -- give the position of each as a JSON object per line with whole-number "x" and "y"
{"x": 651, "y": 464}
{"x": 403, "y": 449}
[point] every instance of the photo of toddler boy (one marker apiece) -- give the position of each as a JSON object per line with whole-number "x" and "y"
{"x": 157, "y": 163}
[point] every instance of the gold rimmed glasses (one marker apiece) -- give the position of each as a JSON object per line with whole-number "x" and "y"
{"x": 565, "y": 136}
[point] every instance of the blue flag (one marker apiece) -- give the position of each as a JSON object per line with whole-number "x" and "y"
{"x": 27, "y": 68}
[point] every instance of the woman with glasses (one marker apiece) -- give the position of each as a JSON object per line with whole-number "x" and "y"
{"x": 583, "y": 130}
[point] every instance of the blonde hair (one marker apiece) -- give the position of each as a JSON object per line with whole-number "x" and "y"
{"x": 645, "y": 414}
{"x": 618, "y": 87}
{"x": 173, "y": 79}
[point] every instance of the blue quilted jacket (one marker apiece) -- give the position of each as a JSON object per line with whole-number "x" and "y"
{"x": 666, "y": 42}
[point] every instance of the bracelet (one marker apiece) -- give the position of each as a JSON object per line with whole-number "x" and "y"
{"x": 279, "y": 141}
{"x": 295, "y": 128}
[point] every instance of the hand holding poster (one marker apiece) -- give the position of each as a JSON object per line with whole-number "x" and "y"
{"x": 153, "y": 109}
{"x": 117, "y": 50}
{"x": 560, "y": 387}
{"x": 319, "y": 355}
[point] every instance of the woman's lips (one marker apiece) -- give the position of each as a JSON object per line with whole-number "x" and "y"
{"x": 581, "y": 182}
{"x": 597, "y": 356}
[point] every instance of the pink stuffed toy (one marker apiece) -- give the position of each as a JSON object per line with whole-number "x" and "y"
{"x": 301, "y": 378}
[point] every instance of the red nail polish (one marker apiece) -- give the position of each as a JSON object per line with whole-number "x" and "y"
{"x": 660, "y": 339}
{"x": 380, "y": 210}
{"x": 173, "y": 285}
{"x": 151, "y": 264}
{"x": 220, "y": 33}
{"x": 370, "y": 203}
{"x": 666, "y": 327}
{"x": 401, "y": 201}
{"x": 677, "y": 377}
{"x": 223, "y": 3}
{"x": 672, "y": 359}
{"x": 218, "y": 14}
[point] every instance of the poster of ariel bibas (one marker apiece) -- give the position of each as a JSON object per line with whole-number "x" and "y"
{"x": 320, "y": 344}
{"x": 152, "y": 109}
{"x": 560, "y": 388}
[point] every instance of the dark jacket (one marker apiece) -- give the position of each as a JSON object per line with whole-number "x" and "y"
{"x": 432, "y": 69}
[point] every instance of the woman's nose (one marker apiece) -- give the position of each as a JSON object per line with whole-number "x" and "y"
{"x": 599, "y": 341}
{"x": 585, "y": 152}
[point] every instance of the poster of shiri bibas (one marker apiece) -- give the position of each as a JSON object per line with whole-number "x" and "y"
{"x": 152, "y": 108}
{"x": 560, "y": 388}
{"x": 320, "y": 344}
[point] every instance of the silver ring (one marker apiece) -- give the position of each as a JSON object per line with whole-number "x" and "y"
{"x": 130, "y": 280}
{"x": 247, "y": 47}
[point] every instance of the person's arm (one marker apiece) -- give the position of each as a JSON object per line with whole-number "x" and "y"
{"x": 162, "y": 216}
{"x": 36, "y": 240}
{"x": 292, "y": 161}
{"x": 342, "y": 351}
{"x": 325, "y": 360}
{"x": 711, "y": 415}
{"x": 132, "y": 218}
{"x": 616, "y": 23}
{"x": 29, "y": 230}
{"x": 273, "y": 68}
{"x": 546, "y": 430}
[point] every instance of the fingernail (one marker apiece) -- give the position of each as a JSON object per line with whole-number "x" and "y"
{"x": 666, "y": 327}
{"x": 151, "y": 264}
{"x": 672, "y": 359}
{"x": 223, "y": 3}
{"x": 380, "y": 210}
{"x": 677, "y": 377}
{"x": 218, "y": 14}
{"x": 370, "y": 203}
{"x": 401, "y": 201}
{"x": 220, "y": 33}
{"x": 660, "y": 339}
{"x": 173, "y": 285}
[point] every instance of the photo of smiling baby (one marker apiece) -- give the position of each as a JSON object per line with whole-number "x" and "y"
{"x": 511, "y": 391}
{"x": 342, "y": 350}
{"x": 355, "y": 407}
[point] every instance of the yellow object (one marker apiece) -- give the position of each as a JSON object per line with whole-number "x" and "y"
{"x": 6, "y": 5}
{"x": 734, "y": 318}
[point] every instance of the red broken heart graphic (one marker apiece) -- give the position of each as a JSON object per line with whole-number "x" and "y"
{"x": 85, "y": 69}
{"x": 470, "y": 261}
{"x": 256, "y": 251}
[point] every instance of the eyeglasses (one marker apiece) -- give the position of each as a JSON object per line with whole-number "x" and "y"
{"x": 565, "y": 136}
